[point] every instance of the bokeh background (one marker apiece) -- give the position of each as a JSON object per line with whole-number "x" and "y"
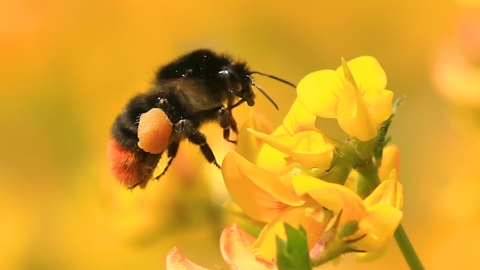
{"x": 68, "y": 67}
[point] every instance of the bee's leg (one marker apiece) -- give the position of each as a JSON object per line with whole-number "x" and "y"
{"x": 172, "y": 152}
{"x": 185, "y": 128}
{"x": 240, "y": 102}
{"x": 226, "y": 121}
{"x": 233, "y": 123}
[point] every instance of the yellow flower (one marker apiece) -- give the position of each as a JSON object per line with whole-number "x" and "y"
{"x": 354, "y": 94}
{"x": 384, "y": 216}
{"x": 377, "y": 216}
{"x": 259, "y": 193}
{"x": 263, "y": 190}
{"x": 296, "y": 141}
{"x": 275, "y": 177}
{"x": 265, "y": 197}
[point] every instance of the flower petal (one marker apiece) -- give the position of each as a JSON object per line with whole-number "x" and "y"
{"x": 318, "y": 92}
{"x": 334, "y": 197}
{"x": 379, "y": 227}
{"x": 298, "y": 119}
{"x": 260, "y": 194}
{"x": 379, "y": 104}
{"x": 388, "y": 192}
{"x": 266, "y": 246}
{"x": 353, "y": 117}
{"x": 308, "y": 148}
{"x": 367, "y": 72}
{"x": 235, "y": 246}
{"x": 272, "y": 159}
{"x": 176, "y": 261}
{"x": 248, "y": 145}
{"x": 390, "y": 161}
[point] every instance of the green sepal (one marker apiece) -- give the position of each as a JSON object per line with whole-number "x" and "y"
{"x": 382, "y": 139}
{"x": 293, "y": 254}
{"x": 348, "y": 229}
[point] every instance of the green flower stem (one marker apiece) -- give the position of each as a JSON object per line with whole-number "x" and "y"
{"x": 367, "y": 183}
{"x": 407, "y": 249}
{"x": 368, "y": 180}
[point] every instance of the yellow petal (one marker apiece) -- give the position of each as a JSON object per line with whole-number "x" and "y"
{"x": 176, "y": 261}
{"x": 390, "y": 161}
{"x": 235, "y": 246}
{"x": 318, "y": 93}
{"x": 248, "y": 145}
{"x": 379, "y": 104}
{"x": 353, "y": 117}
{"x": 347, "y": 74}
{"x": 367, "y": 72}
{"x": 391, "y": 191}
{"x": 260, "y": 194}
{"x": 265, "y": 246}
{"x": 334, "y": 197}
{"x": 379, "y": 227}
{"x": 308, "y": 148}
{"x": 272, "y": 159}
{"x": 388, "y": 192}
{"x": 298, "y": 119}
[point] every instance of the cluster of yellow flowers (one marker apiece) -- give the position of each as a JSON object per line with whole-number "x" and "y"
{"x": 308, "y": 171}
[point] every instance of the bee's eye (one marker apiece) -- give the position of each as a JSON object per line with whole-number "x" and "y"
{"x": 224, "y": 73}
{"x": 224, "y": 76}
{"x": 230, "y": 80}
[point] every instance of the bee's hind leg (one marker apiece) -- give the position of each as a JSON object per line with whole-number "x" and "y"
{"x": 172, "y": 152}
{"x": 185, "y": 128}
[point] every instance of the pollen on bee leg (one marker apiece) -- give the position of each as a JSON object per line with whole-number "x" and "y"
{"x": 154, "y": 130}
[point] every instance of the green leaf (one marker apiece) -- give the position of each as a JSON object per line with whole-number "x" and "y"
{"x": 293, "y": 254}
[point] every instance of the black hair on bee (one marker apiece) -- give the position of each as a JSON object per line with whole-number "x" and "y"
{"x": 199, "y": 87}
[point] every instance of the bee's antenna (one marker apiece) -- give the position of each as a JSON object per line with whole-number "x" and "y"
{"x": 261, "y": 90}
{"x": 273, "y": 77}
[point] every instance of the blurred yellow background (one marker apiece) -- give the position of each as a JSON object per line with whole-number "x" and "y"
{"x": 67, "y": 68}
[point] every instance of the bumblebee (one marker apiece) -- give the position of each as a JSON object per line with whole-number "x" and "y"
{"x": 199, "y": 87}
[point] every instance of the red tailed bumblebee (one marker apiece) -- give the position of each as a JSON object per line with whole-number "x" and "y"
{"x": 199, "y": 87}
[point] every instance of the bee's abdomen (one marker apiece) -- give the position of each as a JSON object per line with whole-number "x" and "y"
{"x": 130, "y": 167}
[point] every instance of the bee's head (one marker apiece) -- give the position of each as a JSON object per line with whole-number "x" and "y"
{"x": 239, "y": 80}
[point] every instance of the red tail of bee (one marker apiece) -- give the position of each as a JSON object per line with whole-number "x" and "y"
{"x": 129, "y": 167}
